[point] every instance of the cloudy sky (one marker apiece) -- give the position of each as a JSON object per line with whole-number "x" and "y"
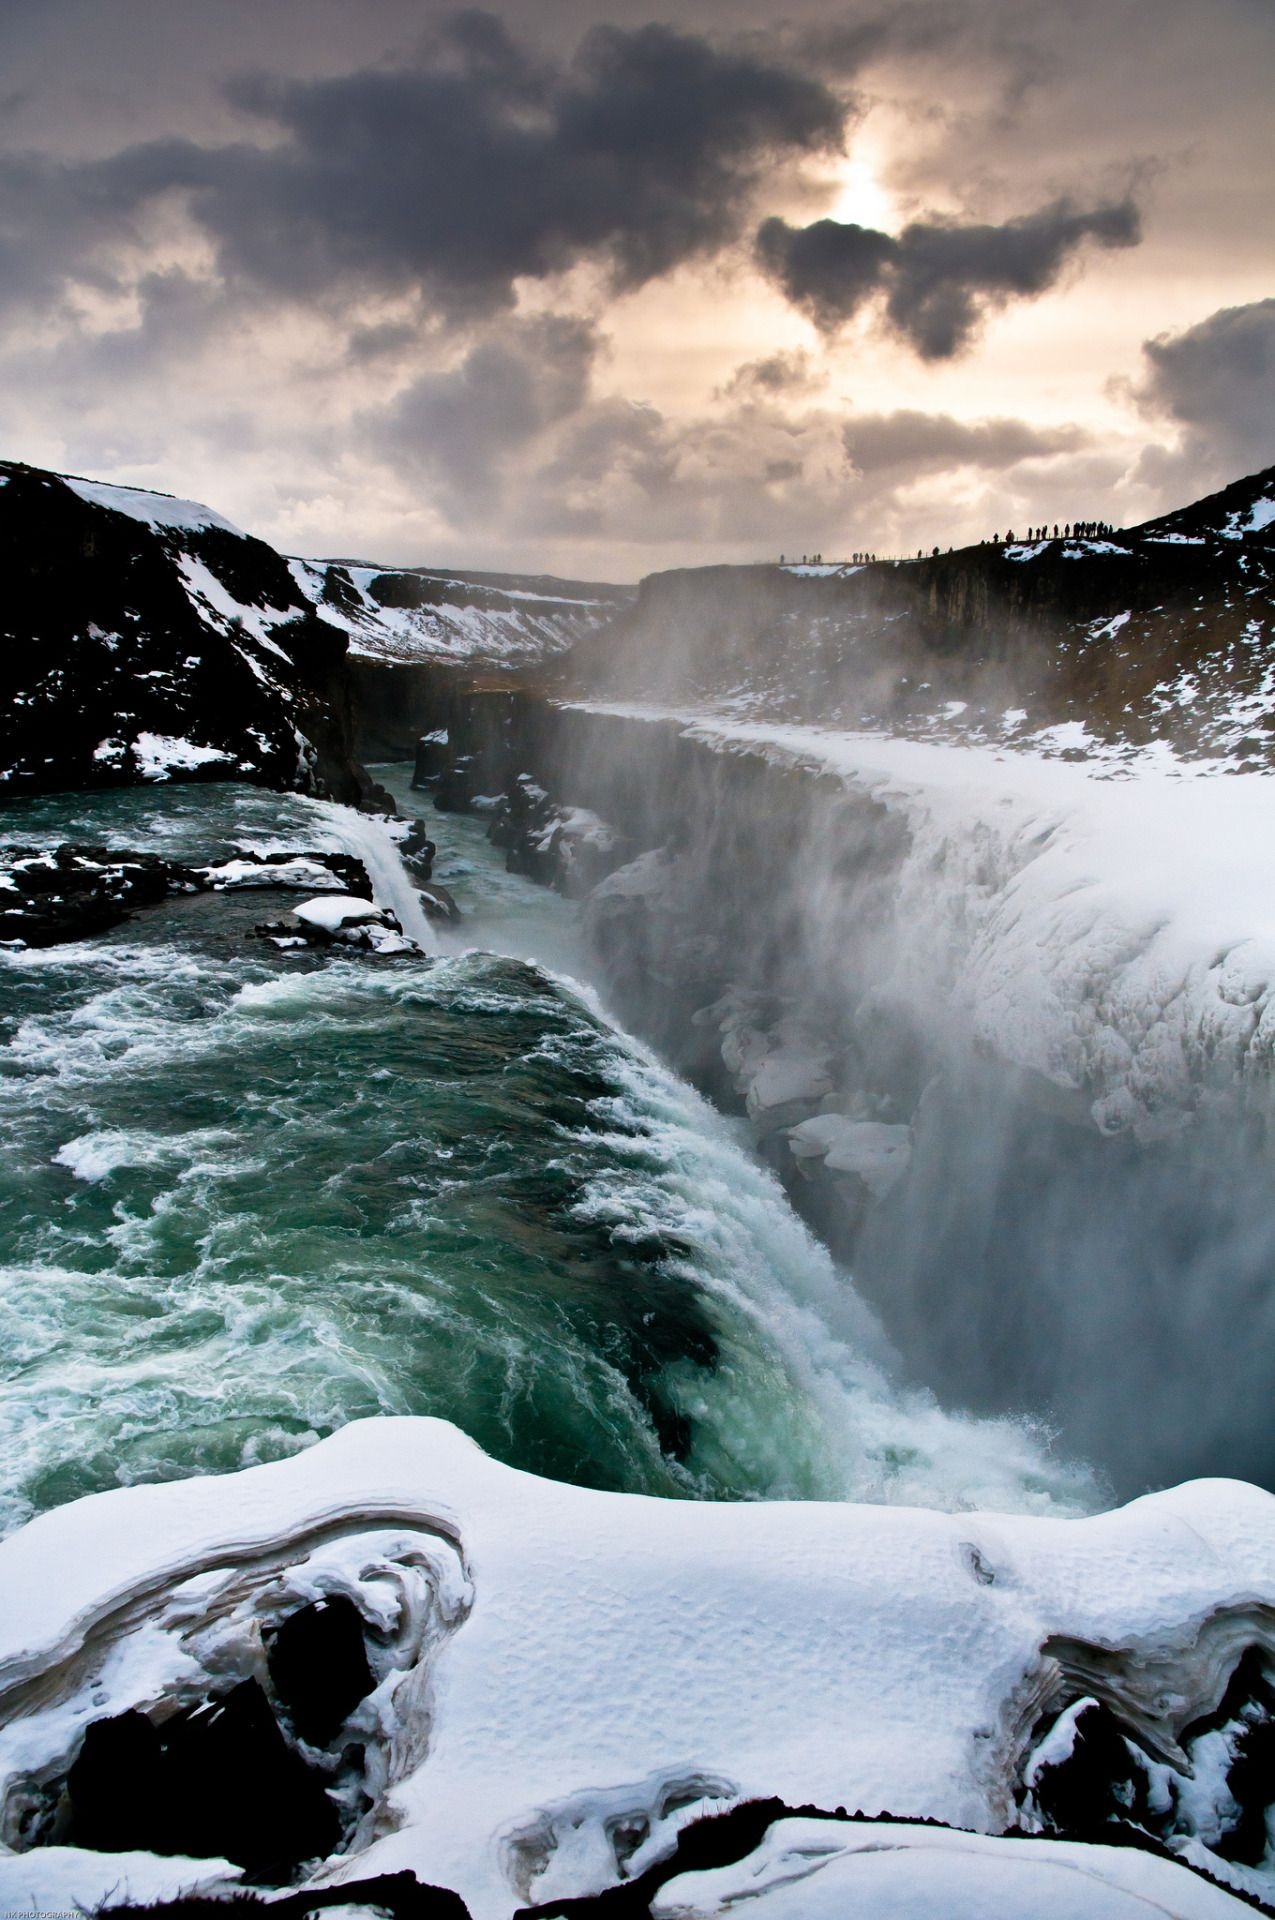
{"x": 561, "y": 285}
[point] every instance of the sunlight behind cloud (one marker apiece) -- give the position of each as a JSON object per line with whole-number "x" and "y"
{"x": 861, "y": 199}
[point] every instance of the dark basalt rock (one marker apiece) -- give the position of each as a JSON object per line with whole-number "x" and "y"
{"x": 433, "y": 756}
{"x": 369, "y": 929}
{"x": 116, "y": 1786}
{"x": 218, "y": 1781}
{"x": 1098, "y": 1782}
{"x": 439, "y": 904}
{"x": 319, "y": 1668}
{"x": 75, "y": 891}
{"x": 418, "y": 851}
{"x": 110, "y": 648}
{"x": 1102, "y": 1789}
{"x": 400, "y": 1895}
{"x": 71, "y": 892}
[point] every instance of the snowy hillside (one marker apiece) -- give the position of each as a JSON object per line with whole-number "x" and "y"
{"x": 547, "y": 1686}
{"x": 149, "y": 640}
{"x": 1161, "y": 633}
{"x": 409, "y": 615}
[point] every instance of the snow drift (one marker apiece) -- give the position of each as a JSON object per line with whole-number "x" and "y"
{"x": 562, "y": 1679}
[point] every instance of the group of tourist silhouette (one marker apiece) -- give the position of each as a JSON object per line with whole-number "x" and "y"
{"x": 1074, "y": 530}
{"x": 1081, "y": 530}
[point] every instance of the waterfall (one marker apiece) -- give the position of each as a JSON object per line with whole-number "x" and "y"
{"x": 369, "y": 840}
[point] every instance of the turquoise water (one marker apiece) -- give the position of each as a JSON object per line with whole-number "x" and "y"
{"x": 247, "y": 1197}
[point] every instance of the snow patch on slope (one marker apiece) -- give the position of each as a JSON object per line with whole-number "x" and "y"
{"x": 467, "y": 620}
{"x": 163, "y": 511}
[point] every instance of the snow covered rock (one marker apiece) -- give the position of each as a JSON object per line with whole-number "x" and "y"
{"x": 557, "y": 1677}
{"x": 869, "y": 1150}
{"x": 71, "y": 892}
{"x": 340, "y": 920}
{"x": 439, "y": 903}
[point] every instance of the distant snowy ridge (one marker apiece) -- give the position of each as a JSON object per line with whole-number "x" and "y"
{"x": 408, "y": 615}
{"x": 566, "y": 1677}
{"x": 1158, "y": 634}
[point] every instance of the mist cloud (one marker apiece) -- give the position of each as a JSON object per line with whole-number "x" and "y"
{"x": 939, "y": 279}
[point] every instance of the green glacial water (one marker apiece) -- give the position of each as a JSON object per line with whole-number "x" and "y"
{"x": 246, "y": 1197}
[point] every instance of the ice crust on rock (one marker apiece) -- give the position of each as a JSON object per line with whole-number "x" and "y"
{"x": 877, "y": 1152}
{"x": 559, "y": 1669}
{"x": 814, "y": 1870}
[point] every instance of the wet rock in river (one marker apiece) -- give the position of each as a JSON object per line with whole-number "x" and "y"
{"x": 438, "y": 903}
{"x": 338, "y": 920}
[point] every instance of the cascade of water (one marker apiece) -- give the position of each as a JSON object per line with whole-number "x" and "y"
{"x": 368, "y": 839}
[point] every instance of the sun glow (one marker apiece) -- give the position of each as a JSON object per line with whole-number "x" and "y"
{"x": 861, "y": 199}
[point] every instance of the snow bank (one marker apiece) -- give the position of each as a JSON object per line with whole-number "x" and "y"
{"x": 563, "y": 1669}
{"x": 812, "y": 1870}
{"x": 332, "y": 911}
{"x": 269, "y": 872}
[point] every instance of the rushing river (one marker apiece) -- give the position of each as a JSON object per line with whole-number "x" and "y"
{"x": 248, "y": 1196}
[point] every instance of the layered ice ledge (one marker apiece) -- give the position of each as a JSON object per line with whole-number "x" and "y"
{"x": 585, "y": 1664}
{"x": 1108, "y": 924}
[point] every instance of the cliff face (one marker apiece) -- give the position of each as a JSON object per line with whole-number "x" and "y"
{"x": 985, "y": 958}
{"x": 1005, "y": 1031}
{"x": 147, "y": 639}
{"x": 1160, "y": 631}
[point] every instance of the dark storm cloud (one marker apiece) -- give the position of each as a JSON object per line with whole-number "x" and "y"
{"x": 1217, "y": 379}
{"x": 913, "y": 443}
{"x": 939, "y": 279}
{"x": 471, "y": 168}
{"x": 827, "y": 269}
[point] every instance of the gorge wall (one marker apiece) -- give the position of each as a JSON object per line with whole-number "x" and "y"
{"x": 1048, "y": 1170}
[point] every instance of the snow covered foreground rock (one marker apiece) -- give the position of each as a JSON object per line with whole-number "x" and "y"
{"x": 560, "y": 1682}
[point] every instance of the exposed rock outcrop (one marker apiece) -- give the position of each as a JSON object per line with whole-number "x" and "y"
{"x": 70, "y": 892}
{"x": 146, "y": 639}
